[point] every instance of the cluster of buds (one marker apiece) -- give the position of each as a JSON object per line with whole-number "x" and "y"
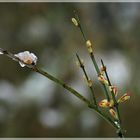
{"x": 110, "y": 104}
{"x": 113, "y": 89}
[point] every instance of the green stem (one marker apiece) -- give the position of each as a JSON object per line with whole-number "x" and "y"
{"x": 95, "y": 63}
{"x": 93, "y": 59}
{"x": 104, "y": 116}
{"x": 87, "y": 78}
{"x": 109, "y": 82}
{"x": 71, "y": 90}
{"x": 98, "y": 72}
{"x": 81, "y": 29}
{"x": 77, "y": 94}
{"x": 116, "y": 105}
{"x": 80, "y": 26}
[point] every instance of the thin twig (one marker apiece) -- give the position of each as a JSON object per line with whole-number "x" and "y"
{"x": 116, "y": 105}
{"x": 92, "y": 56}
{"x": 99, "y": 73}
{"x": 63, "y": 84}
{"x": 87, "y": 79}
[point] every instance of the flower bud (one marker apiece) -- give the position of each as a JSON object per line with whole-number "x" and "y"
{"x": 113, "y": 89}
{"x": 27, "y": 58}
{"x": 90, "y": 82}
{"x": 113, "y": 113}
{"x": 125, "y": 97}
{"x": 102, "y": 79}
{"x": 89, "y": 46}
{"x": 104, "y": 103}
{"x": 75, "y": 22}
{"x": 88, "y": 43}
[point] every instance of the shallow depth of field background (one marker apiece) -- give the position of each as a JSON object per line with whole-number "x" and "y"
{"x": 33, "y": 106}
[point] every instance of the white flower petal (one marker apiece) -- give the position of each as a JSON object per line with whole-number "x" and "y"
{"x": 34, "y": 58}
{"x": 1, "y": 52}
{"x": 27, "y": 58}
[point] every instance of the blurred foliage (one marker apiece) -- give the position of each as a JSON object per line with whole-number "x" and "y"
{"x": 46, "y": 30}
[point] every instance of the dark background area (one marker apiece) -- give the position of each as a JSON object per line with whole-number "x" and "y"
{"x": 33, "y": 106}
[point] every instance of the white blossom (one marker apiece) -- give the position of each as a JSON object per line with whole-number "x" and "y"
{"x": 1, "y": 52}
{"x": 27, "y": 58}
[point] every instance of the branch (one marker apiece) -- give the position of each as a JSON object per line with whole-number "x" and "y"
{"x": 91, "y": 53}
{"x": 63, "y": 84}
{"x": 89, "y": 82}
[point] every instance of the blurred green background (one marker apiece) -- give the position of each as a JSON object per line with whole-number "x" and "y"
{"x": 33, "y": 106}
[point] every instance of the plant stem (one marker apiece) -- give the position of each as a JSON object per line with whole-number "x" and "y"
{"x": 116, "y": 105}
{"x": 99, "y": 73}
{"x": 110, "y": 121}
{"x": 92, "y": 57}
{"x": 77, "y": 94}
{"x": 87, "y": 79}
{"x": 109, "y": 82}
{"x": 104, "y": 116}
